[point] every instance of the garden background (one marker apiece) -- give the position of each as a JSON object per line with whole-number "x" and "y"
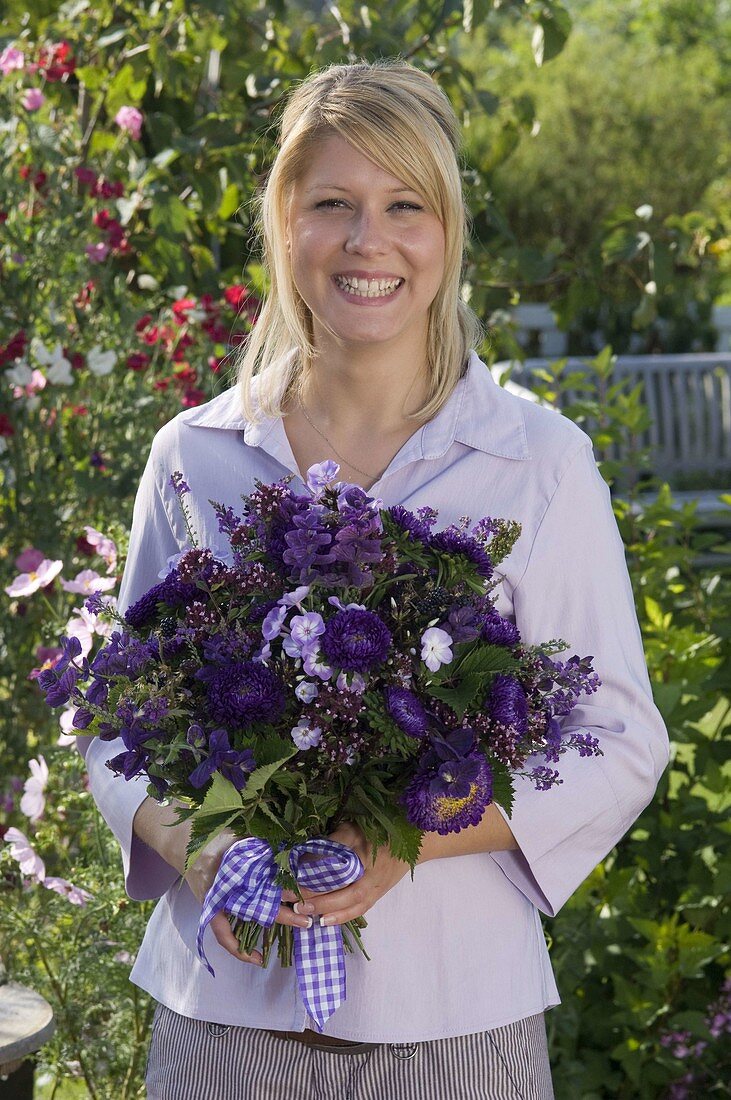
{"x": 597, "y": 142}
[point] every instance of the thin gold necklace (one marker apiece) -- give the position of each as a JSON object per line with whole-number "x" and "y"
{"x": 337, "y": 454}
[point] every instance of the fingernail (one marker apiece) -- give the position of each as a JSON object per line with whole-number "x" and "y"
{"x": 303, "y": 907}
{"x": 324, "y": 921}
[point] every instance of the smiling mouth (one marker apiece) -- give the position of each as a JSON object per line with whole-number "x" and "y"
{"x": 367, "y": 288}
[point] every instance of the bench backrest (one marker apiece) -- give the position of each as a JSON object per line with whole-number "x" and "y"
{"x": 689, "y": 401}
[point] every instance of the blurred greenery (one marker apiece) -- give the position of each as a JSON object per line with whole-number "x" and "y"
{"x": 596, "y": 169}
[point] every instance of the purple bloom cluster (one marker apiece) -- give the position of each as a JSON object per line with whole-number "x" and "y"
{"x": 242, "y": 693}
{"x": 356, "y": 641}
{"x": 326, "y": 609}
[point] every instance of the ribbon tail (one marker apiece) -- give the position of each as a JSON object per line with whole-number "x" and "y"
{"x": 320, "y": 965}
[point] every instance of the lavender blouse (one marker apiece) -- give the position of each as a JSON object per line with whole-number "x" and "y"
{"x": 461, "y": 948}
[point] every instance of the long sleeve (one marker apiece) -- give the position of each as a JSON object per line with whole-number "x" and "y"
{"x": 576, "y": 586}
{"x": 152, "y": 541}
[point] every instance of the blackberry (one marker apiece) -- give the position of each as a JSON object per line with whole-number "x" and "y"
{"x": 168, "y": 626}
{"x": 435, "y": 602}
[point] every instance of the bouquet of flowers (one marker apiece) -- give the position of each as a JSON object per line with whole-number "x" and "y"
{"x": 340, "y": 661}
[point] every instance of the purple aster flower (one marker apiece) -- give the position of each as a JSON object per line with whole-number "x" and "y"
{"x": 454, "y": 541}
{"x": 232, "y": 765}
{"x": 450, "y": 798}
{"x": 499, "y": 631}
{"x": 412, "y": 525}
{"x": 355, "y": 641}
{"x": 506, "y": 703}
{"x": 242, "y": 693}
{"x": 406, "y": 711}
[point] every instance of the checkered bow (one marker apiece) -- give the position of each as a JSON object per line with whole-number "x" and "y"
{"x": 245, "y": 886}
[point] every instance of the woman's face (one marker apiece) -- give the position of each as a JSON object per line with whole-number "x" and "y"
{"x": 367, "y": 253}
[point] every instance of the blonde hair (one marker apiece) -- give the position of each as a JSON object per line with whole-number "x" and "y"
{"x": 397, "y": 116}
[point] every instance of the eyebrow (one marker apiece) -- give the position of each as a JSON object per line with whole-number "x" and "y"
{"x": 334, "y": 187}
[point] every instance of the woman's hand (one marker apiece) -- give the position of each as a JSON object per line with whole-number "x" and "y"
{"x": 340, "y": 906}
{"x": 157, "y": 826}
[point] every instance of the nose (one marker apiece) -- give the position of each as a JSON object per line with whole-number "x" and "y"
{"x": 366, "y": 235}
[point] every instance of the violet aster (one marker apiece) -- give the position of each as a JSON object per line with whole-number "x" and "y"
{"x": 454, "y": 541}
{"x": 409, "y": 523}
{"x": 450, "y": 798}
{"x": 242, "y": 693}
{"x": 355, "y": 641}
{"x": 406, "y": 711}
{"x": 506, "y": 703}
{"x": 499, "y": 631}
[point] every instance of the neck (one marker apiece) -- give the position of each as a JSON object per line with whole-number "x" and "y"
{"x": 378, "y": 387}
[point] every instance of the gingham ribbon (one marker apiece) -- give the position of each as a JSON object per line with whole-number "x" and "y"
{"x": 245, "y": 886}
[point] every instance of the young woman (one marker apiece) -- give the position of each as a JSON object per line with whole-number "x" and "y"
{"x": 363, "y": 354}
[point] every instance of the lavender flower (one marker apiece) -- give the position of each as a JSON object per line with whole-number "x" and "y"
{"x": 179, "y": 486}
{"x": 356, "y": 641}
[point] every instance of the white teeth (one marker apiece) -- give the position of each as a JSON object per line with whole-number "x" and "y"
{"x": 367, "y": 288}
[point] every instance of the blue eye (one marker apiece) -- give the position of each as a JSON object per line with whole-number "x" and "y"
{"x": 334, "y": 204}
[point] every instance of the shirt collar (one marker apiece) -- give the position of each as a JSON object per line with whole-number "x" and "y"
{"x": 479, "y": 413}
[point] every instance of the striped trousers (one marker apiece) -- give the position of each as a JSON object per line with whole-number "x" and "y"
{"x": 194, "y": 1060}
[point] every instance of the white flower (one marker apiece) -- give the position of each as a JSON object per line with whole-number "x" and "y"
{"x": 19, "y": 375}
{"x": 66, "y": 722}
{"x": 306, "y": 736}
{"x": 436, "y": 648}
{"x": 31, "y": 864}
{"x": 101, "y": 362}
{"x": 33, "y": 802}
{"x": 58, "y": 367}
{"x": 88, "y": 581}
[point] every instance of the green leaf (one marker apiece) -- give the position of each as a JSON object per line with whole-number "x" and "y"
{"x": 261, "y": 776}
{"x": 221, "y": 797}
{"x": 229, "y": 202}
{"x": 503, "y": 790}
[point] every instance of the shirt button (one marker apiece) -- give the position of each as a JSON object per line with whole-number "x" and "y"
{"x": 404, "y": 1051}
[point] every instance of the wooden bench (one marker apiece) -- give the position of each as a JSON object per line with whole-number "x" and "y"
{"x": 688, "y": 398}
